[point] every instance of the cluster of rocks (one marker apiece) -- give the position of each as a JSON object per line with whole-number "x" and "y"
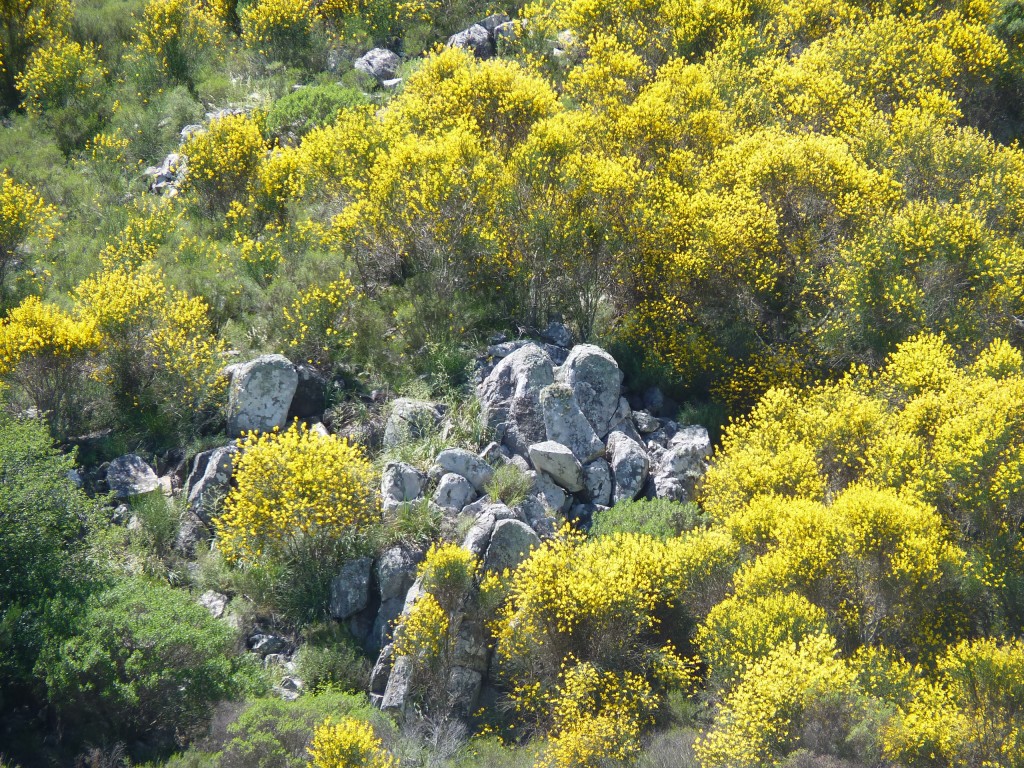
{"x": 482, "y": 38}
{"x": 166, "y": 178}
{"x": 560, "y": 416}
{"x": 382, "y": 65}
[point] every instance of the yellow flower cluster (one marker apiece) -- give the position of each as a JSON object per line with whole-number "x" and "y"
{"x": 348, "y": 743}
{"x": 24, "y": 216}
{"x": 175, "y": 35}
{"x": 294, "y": 484}
{"x": 222, "y": 161}
{"x": 278, "y": 29}
{"x": 315, "y": 323}
{"x": 34, "y": 329}
{"x": 29, "y": 25}
{"x": 59, "y": 74}
{"x": 423, "y": 633}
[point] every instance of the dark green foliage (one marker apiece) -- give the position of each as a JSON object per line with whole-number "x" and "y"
{"x": 44, "y": 567}
{"x": 309, "y": 107}
{"x": 659, "y": 518}
{"x": 145, "y": 661}
{"x": 330, "y": 659}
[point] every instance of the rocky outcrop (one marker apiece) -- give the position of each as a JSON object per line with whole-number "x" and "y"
{"x": 476, "y": 39}
{"x": 260, "y": 394}
{"x": 379, "y": 63}
{"x": 350, "y": 589}
{"x": 210, "y": 479}
{"x": 130, "y": 475}
{"x": 410, "y": 420}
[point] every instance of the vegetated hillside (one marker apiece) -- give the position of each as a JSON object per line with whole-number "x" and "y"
{"x": 417, "y": 540}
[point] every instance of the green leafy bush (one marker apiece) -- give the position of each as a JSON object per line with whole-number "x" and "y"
{"x": 313, "y": 106}
{"x": 330, "y": 659}
{"x": 659, "y": 518}
{"x": 145, "y": 660}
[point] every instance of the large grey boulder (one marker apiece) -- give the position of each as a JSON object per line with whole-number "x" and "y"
{"x": 494, "y": 21}
{"x": 396, "y": 694}
{"x": 565, "y": 423}
{"x": 597, "y": 478}
{"x": 350, "y": 589}
{"x": 630, "y": 465}
{"x": 510, "y": 397}
{"x": 379, "y": 63}
{"x": 551, "y": 496}
{"x": 595, "y": 378}
{"x": 396, "y": 571}
{"x": 681, "y": 467}
{"x": 210, "y": 478}
{"x": 479, "y": 535}
{"x": 454, "y": 492}
{"x": 510, "y": 543}
{"x": 130, "y": 475}
{"x": 400, "y": 483}
{"x": 260, "y": 394}
{"x": 467, "y": 464}
{"x": 214, "y": 602}
{"x": 541, "y": 520}
{"x": 410, "y": 420}
{"x": 558, "y": 462}
{"x": 384, "y": 625}
{"x": 475, "y": 39}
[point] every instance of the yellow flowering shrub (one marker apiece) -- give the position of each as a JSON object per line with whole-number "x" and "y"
{"x": 174, "y": 37}
{"x": 25, "y": 218}
{"x": 222, "y": 160}
{"x": 280, "y": 30}
{"x": 316, "y": 323}
{"x": 292, "y": 485}
{"x": 44, "y": 352}
{"x": 970, "y": 713}
{"x": 27, "y": 25}
{"x": 348, "y": 743}
{"x": 761, "y": 719}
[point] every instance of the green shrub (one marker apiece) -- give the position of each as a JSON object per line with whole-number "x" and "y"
{"x": 510, "y": 485}
{"x": 656, "y": 517}
{"x": 331, "y": 659}
{"x": 44, "y": 566}
{"x": 313, "y": 106}
{"x": 145, "y": 660}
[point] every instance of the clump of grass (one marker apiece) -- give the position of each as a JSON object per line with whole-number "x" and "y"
{"x": 510, "y": 485}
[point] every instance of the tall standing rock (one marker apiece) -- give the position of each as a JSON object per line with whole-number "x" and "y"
{"x": 565, "y": 423}
{"x": 595, "y": 378}
{"x": 260, "y": 395}
{"x": 510, "y": 398}
{"x": 630, "y": 465}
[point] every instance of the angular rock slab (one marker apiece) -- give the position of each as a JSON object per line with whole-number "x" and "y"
{"x": 597, "y": 477}
{"x": 511, "y": 542}
{"x": 630, "y": 465}
{"x": 130, "y": 475}
{"x": 467, "y": 464}
{"x": 379, "y": 63}
{"x": 260, "y": 394}
{"x": 350, "y": 589}
{"x": 475, "y": 39}
{"x": 595, "y": 378}
{"x": 565, "y": 423}
{"x": 400, "y": 483}
{"x": 210, "y": 478}
{"x": 557, "y": 462}
{"x": 454, "y": 492}
{"x": 681, "y": 467}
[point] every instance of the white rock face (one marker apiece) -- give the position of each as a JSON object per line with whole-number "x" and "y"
{"x": 595, "y": 378}
{"x": 260, "y": 394}
{"x": 557, "y": 461}
{"x": 454, "y": 492}
{"x": 565, "y": 423}
{"x": 630, "y": 465}
{"x": 467, "y": 464}
{"x": 130, "y": 476}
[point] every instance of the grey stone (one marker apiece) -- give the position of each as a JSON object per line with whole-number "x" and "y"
{"x": 409, "y": 420}
{"x": 510, "y": 397}
{"x": 396, "y": 571}
{"x": 537, "y": 517}
{"x": 548, "y": 493}
{"x": 597, "y": 478}
{"x": 557, "y": 334}
{"x": 400, "y": 483}
{"x": 129, "y": 476}
{"x": 384, "y": 624}
{"x": 463, "y": 690}
{"x": 494, "y": 455}
{"x": 595, "y": 378}
{"x": 479, "y": 536}
{"x": 191, "y": 532}
{"x": 522, "y": 462}
{"x": 214, "y": 602}
{"x": 210, "y": 479}
{"x": 260, "y": 395}
{"x": 265, "y": 644}
{"x": 505, "y": 32}
{"x": 494, "y": 21}
{"x": 382, "y": 670}
{"x": 630, "y": 465}
{"x": 350, "y": 589}
{"x": 558, "y": 462}
{"x": 475, "y": 39}
{"x": 510, "y": 544}
{"x": 682, "y": 465}
{"x": 645, "y": 423}
{"x": 454, "y": 492}
{"x": 565, "y": 423}
{"x": 396, "y": 694}
{"x": 467, "y": 464}
{"x": 379, "y": 63}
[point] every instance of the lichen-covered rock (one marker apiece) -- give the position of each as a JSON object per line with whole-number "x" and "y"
{"x": 565, "y": 423}
{"x": 595, "y": 378}
{"x": 467, "y": 464}
{"x": 557, "y": 462}
{"x": 479, "y": 535}
{"x": 597, "y": 479}
{"x": 454, "y": 492}
{"x": 379, "y": 63}
{"x": 511, "y": 541}
{"x": 410, "y": 420}
{"x": 130, "y": 475}
{"x": 210, "y": 479}
{"x": 400, "y": 483}
{"x": 475, "y": 39}
{"x": 350, "y": 589}
{"x": 681, "y": 466}
{"x": 396, "y": 571}
{"x": 260, "y": 394}
{"x": 510, "y": 397}
{"x": 630, "y": 465}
